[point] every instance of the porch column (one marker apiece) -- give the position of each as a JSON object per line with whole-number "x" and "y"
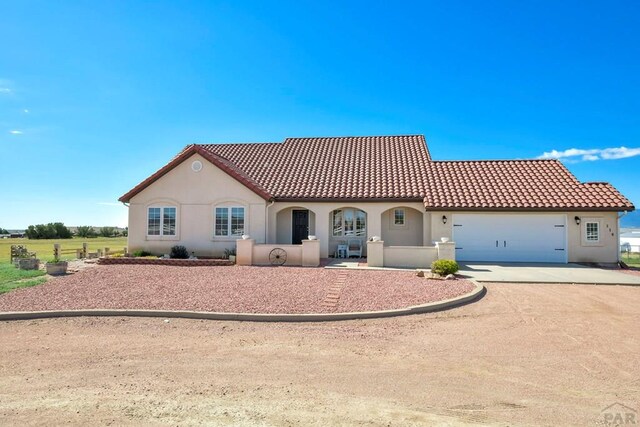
{"x": 374, "y": 223}
{"x": 426, "y": 229}
{"x": 323, "y": 228}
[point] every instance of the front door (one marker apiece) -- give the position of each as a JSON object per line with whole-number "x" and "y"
{"x": 300, "y": 228}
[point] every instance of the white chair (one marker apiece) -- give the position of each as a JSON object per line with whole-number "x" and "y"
{"x": 354, "y": 248}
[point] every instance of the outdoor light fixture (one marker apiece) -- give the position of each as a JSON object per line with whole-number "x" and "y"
{"x": 444, "y": 219}
{"x": 577, "y": 220}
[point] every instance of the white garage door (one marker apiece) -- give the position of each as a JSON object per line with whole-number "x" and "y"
{"x": 510, "y": 238}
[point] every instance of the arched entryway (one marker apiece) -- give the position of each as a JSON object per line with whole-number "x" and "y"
{"x": 294, "y": 224}
{"x": 348, "y": 227}
{"x": 402, "y": 226}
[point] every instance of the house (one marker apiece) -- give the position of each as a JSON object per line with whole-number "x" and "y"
{"x": 342, "y": 189}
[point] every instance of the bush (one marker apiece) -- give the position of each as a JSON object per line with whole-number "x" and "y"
{"x": 107, "y": 231}
{"x": 141, "y": 253}
{"x": 179, "y": 251}
{"x": 53, "y": 230}
{"x": 444, "y": 267}
{"x": 228, "y": 253}
{"x": 86, "y": 231}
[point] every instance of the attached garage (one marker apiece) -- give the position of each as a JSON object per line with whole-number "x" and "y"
{"x": 510, "y": 237}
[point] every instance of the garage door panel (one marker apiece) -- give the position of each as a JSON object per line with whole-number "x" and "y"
{"x": 510, "y": 238}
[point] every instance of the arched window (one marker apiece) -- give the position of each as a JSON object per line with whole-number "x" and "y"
{"x": 349, "y": 222}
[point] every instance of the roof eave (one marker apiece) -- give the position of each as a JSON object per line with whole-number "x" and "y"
{"x": 188, "y": 152}
{"x": 535, "y": 209}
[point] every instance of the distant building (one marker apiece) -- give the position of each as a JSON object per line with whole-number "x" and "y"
{"x": 630, "y": 240}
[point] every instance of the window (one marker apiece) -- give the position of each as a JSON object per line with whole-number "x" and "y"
{"x": 349, "y": 222}
{"x": 398, "y": 217}
{"x": 161, "y": 221}
{"x": 229, "y": 221}
{"x": 592, "y": 231}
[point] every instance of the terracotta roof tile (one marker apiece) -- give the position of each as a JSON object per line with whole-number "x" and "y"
{"x": 371, "y": 167}
{"x": 515, "y": 185}
{"x": 397, "y": 168}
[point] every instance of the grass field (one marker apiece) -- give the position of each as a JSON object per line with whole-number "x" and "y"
{"x": 44, "y": 248}
{"x": 12, "y": 278}
{"x": 632, "y": 259}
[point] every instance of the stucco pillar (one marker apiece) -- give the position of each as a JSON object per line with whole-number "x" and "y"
{"x": 375, "y": 254}
{"x": 426, "y": 229}
{"x": 310, "y": 253}
{"x": 323, "y": 228}
{"x": 244, "y": 251}
{"x": 374, "y": 223}
{"x": 446, "y": 250}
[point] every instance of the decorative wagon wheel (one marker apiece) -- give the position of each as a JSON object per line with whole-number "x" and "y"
{"x": 277, "y": 256}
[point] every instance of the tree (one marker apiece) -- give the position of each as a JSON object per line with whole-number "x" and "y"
{"x": 107, "y": 231}
{"x": 4, "y": 231}
{"x": 53, "y": 230}
{"x": 86, "y": 231}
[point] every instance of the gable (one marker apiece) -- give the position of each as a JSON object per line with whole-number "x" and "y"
{"x": 192, "y": 180}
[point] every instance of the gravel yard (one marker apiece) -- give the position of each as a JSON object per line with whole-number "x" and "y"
{"x": 231, "y": 289}
{"x": 554, "y": 355}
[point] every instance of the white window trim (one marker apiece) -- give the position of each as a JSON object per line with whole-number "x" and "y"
{"x": 163, "y": 236}
{"x": 586, "y": 242}
{"x": 355, "y": 210}
{"x": 586, "y": 231}
{"x": 404, "y": 217}
{"x": 229, "y": 236}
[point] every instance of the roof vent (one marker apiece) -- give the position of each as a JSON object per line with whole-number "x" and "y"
{"x": 196, "y": 166}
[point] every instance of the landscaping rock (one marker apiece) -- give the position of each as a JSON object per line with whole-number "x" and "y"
{"x": 450, "y": 277}
{"x": 419, "y": 273}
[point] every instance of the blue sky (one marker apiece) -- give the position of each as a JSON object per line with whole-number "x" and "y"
{"x": 95, "y": 96}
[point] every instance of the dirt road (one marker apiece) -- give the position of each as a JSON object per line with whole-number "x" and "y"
{"x": 524, "y": 354}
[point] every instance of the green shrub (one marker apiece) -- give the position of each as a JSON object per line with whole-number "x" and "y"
{"x": 142, "y": 254}
{"x": 179, "y": 251}
{"x": 444, "y": 267}
{"x": 53, "y": 230}
{"x": 86, "y": 231}
{"x": 107, "y": 231}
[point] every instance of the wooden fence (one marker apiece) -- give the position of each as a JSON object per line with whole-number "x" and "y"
{"x": 83, "y": 252}
{"x": 20, "y": 251}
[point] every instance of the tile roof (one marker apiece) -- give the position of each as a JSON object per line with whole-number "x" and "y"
{"x": 515, "y": 185}
{"x": 396, "y": 168}
{"x": 370, "y": 167}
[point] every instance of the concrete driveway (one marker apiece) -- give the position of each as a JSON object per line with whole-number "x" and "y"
{"x": 545, "y": 273}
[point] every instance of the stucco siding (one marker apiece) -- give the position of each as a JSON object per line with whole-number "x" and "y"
{"x": 195, "y": 196}
{"x": 579, "y": 250}
{"x": 323, "y": 230}
{"x": 409, "y": 234}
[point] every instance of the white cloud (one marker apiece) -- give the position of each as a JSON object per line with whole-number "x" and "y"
{"x": 16, "y": 132}
{"x": 576, "y": 154}
{"x": 5, "y": 90}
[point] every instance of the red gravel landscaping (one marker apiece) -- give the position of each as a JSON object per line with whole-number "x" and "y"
{"x": 236, "y": 289}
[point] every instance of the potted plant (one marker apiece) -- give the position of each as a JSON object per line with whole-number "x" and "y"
{"x": 56, "y": 267}
{"x": 230, "y": 254}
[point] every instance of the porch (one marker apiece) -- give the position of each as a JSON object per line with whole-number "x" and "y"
{"x": 386, "y": 234}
